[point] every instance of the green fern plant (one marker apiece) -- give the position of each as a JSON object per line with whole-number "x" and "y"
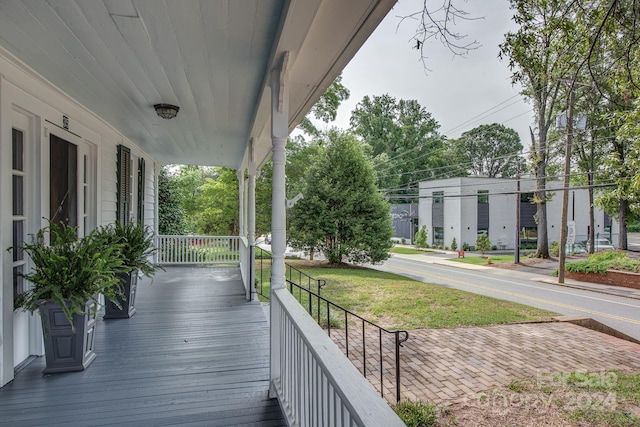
{"x": 68, "y": 270}
{"x": 137, "y": 245}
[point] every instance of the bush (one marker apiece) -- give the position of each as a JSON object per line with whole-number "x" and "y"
{"x": 421, "y": 237}
{"x": 454, "y": 244}
{"x": 483, "y": 243}
{"x": 601, "y": 262}
{"x": 466, "y": 247}
{"x": 417, "y": 414}
{"x": 554, "y": 249}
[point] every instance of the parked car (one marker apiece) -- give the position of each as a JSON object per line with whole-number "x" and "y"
{"x": 601, "y": 245}
{"x": 576, "y": 249}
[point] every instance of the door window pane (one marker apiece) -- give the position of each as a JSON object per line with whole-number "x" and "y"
{"x": 18, "y": 195}
{"x": 18, "y": 237}
{"x": 17, "y": 162}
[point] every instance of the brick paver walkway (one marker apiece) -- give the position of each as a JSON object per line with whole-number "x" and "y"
{"x": 445, "y": 366}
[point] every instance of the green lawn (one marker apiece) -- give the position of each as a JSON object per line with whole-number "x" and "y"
{"x": 397, "y": 302}
{"x": 407, "y": 251}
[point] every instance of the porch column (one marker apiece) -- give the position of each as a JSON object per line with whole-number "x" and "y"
{"x": 251, "y": 201}
{"x": 251, "y": 219}
{"x": 279, "y": 133}
{"x": 241, "y": 213}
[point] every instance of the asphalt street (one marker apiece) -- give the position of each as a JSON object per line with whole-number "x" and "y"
{"x": 619, "y": 312}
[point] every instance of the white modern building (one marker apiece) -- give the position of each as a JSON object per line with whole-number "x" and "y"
{"x": 462, "y": 208}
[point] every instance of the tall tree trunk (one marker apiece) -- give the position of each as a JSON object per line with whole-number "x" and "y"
{"x": 540, "y": 193}
{"x": 622, "y": 238}
{"x": 592, "y": 221}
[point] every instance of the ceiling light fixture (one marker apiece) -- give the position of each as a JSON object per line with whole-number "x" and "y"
{"x": 166, "y": 111}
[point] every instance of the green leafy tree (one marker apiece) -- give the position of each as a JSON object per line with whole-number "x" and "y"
{"x": 326, "y": 108}
{"x": 483, "y": 244}
{"x": 218, "y": 205}
{"x": 490, "y": 150}
{"x": 420, "y": 240}
{"x": 342, "y": 213}
{"x": 170, "y": 213}
{"x": 404, "y": 142}
{"x": 454, "y": 244}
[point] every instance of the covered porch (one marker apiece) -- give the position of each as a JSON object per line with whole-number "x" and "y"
{"x": 195, "y": 353}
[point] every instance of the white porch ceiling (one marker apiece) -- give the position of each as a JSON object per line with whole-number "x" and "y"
{"x": 211, "y": 58}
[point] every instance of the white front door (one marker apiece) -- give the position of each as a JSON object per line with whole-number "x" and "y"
{"x": 20, "y": 146}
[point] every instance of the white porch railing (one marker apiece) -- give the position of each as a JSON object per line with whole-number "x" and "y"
{"x": 204, "y": 250}
{"x": 313, "y": 380}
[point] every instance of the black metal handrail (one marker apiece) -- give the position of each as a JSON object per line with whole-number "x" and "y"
{"x": 291, "y": 273}
{"x": 259, "y": 285}
{"x": 400, "y": 336}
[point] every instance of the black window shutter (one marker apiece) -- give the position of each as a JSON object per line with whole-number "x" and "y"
{"x": 141, "y": 183}
{"x": 123, "y": 194}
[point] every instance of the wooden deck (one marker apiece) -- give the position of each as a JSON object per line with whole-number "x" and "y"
{"x": 195, "y": 353}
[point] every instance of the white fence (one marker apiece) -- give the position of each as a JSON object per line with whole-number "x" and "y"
{"x": 314, "y": 381}
{"x": 204, "y": 250}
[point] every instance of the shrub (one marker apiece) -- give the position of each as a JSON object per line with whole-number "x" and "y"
{"x": 421, "y": 237}
{"x": 465, "y": 246}
{"x": 554, "y": 249}
{"x": 601, "y": 262}
{"x": 483, "y": 243}
{"x": 454, "y": 244}
{"x": 417, "y": 414}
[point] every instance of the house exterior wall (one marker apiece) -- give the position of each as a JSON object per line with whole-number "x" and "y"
{"x": 461, "y": 210}
{"x": 28, "y": 101}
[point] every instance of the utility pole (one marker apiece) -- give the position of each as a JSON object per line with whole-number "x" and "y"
{"x": 516, "y": 258}
{"x": 565, "y": 193}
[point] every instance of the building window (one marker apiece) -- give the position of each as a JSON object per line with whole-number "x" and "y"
{"x": 529, "y": 237}
{"x": 483, "y": 196}
{"x": 526, "y": 197}
{"x": 438, "y": 197}
{"x": 438, "y": 236}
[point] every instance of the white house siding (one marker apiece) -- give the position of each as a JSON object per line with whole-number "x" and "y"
{"x": 460, "y": 207}
{"x": 27, "y": 98}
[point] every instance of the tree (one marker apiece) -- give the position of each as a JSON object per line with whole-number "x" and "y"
{"x": 483, "y": 244}
{"x": 342, "y": 213}
{"x": 170, "y": 212}
{"x": 490, "y": 150}
{"x": 454, "y": 244}
{"x": 218, "y": 205}
{"x": 421, "y": 238}
{"x": 326, "y": 108}
{"x": 539, "y": 59}
{"x": 403, "y": 139}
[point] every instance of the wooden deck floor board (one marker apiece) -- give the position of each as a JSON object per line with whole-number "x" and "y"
{"x": 195, "y": 353}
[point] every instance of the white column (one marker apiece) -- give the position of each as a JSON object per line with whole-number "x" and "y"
{"x": 251, "y": 218}
{"x": 251, "y": 197}
{"x": 279, "y": 134}
{"x": 241, "y": 213}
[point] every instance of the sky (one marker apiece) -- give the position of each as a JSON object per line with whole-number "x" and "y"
{"x": 460, "y": 93}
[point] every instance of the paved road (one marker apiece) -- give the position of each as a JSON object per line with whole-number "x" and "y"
{"x": 618, "y": 312}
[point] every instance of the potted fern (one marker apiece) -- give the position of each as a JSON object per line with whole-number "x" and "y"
{"x": 68, "y": 274}
{"x": 137, "y": 249}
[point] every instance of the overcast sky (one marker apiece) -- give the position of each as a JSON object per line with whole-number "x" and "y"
{"x": 456, "y": 90}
